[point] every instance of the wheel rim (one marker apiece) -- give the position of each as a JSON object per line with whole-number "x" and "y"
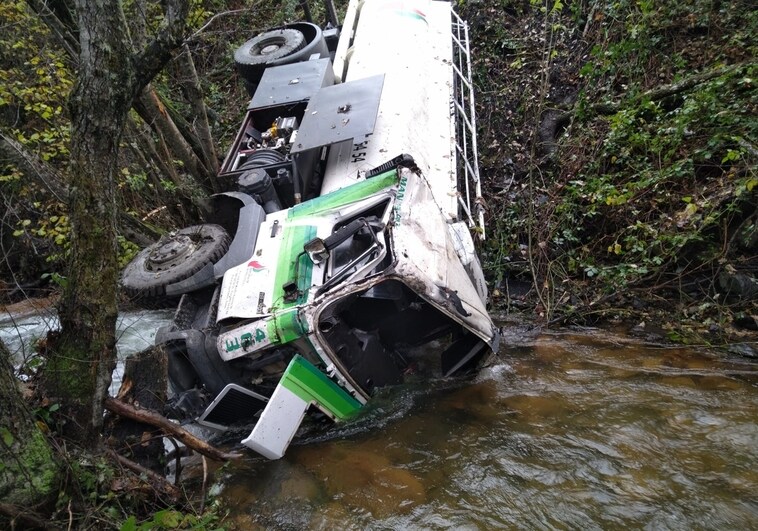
{"x": 174, "y": 251}
{"x": 270, "y": 46}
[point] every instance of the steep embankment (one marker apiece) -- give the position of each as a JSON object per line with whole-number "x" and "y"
{"x": 618, "y": 151}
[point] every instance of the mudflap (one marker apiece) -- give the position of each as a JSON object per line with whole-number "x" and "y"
{"x": 301, "y": 386}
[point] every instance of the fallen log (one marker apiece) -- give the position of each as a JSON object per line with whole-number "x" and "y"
{"x": 665, "y": 91}
{"x": 169, "y": 428}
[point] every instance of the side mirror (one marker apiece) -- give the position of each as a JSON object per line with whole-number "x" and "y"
{"x": 318, "y": 249}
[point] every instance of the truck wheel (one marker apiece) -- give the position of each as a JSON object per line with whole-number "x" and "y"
{"x": 175, "y": 257}
{"x": 252, "y": 57}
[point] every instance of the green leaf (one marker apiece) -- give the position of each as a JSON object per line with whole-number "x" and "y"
{"x": 130, "y": 524}
{"x": 168, "y": 519}
{"x": 7, "y": 436}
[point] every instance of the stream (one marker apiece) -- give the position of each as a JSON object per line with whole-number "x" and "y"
{"x": 568, "y": 430}
{"x": 572, "y": 429}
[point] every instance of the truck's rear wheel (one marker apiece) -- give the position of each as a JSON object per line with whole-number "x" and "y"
{"x": 175, "y": 257}
{"x": 252, "y": 57}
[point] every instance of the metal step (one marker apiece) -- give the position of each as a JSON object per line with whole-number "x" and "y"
{"x": 233, "y": 404}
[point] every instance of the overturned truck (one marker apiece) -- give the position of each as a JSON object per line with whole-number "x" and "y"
{"x": 341, "y": 259}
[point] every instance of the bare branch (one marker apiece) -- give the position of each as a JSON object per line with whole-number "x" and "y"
{"x": 157, "y": 481}
{"x": 154, "y": 419}
{"x": 154, "y": 57}
{"x": 213, "y": 19}
{"x": 62, "y": 30}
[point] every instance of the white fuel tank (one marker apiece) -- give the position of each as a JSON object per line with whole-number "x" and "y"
{"x": 410, "y": 42}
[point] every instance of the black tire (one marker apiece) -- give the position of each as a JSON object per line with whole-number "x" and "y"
{"x": 181, "y": 374}
{"x": 252, "y": 57}
{"x": 175, "y": 257}
{"x": 249, "y": 87}
{"x": 190, "y": 367}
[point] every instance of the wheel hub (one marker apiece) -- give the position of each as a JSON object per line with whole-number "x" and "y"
{"x": 172, "y": 252}
{"x": 270, "y": 48}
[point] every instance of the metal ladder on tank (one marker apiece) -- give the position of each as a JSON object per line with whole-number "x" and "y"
{"x": 465, "y": 137}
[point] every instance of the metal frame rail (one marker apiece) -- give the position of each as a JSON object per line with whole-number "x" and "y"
{"x": 465, "y": 138}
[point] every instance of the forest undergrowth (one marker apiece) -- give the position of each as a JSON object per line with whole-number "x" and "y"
{"x": 618, "y": 153}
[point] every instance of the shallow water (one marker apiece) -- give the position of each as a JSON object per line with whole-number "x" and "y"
{"x": 572, "y": 430}
{"x": 135, "y": 331}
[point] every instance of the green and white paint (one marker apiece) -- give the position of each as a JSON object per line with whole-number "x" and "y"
{"x": 301, "y": 386}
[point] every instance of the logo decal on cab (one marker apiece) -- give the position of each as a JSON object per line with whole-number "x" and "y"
{"x": 256, "y": 265}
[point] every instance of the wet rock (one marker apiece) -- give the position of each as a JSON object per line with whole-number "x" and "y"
{"x": 738, "y": 285}
{"x": 746, "y": 321}
{"x": 744, "y": 349}
{"x": 299, "y": 485}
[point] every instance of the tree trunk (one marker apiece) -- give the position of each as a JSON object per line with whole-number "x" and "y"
{"x": 194, "y": 92}
{"x": 29, "y": 475}
{"x": 144, "y": 384}
{"x": 180, "y": 203}
{"x": 165, "y": 168}
{"x": 153, "y": 112}
{"x": 82, "y": 357}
